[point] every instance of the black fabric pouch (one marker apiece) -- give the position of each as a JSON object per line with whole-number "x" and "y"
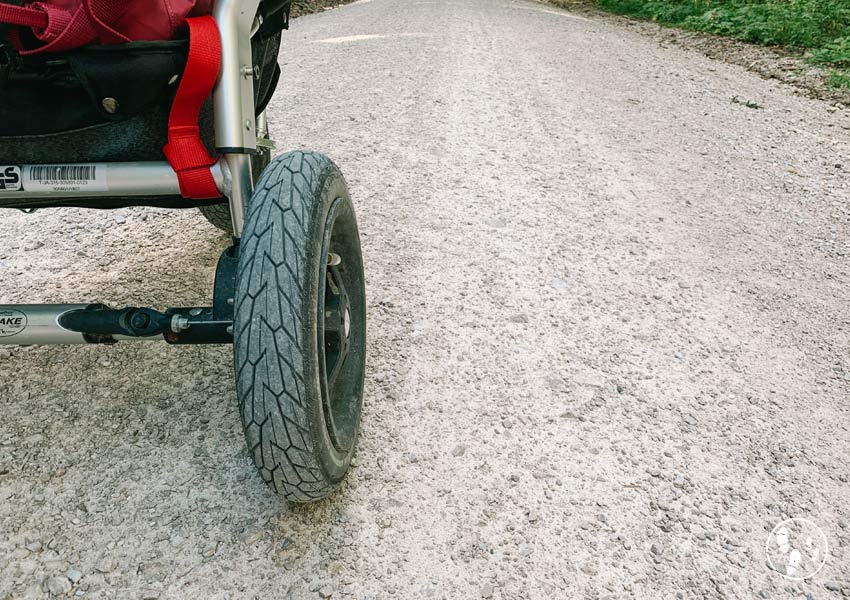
{"x": 107, "y": 103}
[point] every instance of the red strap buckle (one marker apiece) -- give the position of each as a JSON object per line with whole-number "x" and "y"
{"x": 185, "y": 150}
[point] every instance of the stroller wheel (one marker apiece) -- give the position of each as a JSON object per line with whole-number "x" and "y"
{"x": 300, "y": 327}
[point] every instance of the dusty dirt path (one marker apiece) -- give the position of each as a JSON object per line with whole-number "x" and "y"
{"x": 608, "y": 336}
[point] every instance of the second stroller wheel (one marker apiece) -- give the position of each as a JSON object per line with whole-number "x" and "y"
{"x": 300, "y": 327}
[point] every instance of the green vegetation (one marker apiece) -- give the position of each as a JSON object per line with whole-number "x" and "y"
{"x": 839, "y": 80}
{"x": 820, "y": 26}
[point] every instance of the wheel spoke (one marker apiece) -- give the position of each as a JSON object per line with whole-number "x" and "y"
{"x": 338, "y": 363}
{"x": 337, "y": 326}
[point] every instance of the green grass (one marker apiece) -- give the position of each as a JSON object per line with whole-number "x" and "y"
{"x": 839, "y": 80}
{"x": 820, "y": 26}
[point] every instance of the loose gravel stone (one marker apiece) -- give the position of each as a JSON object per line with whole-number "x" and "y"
{"x": 27, "y": 566}
{"x": 57, "y": 585}
{"x": 251, "y": 535}
{"x": 154, "y": 571}
{"x": 74, "y": 575}
{"x": 656, "y": 549}
{"x": 106, "y": 565}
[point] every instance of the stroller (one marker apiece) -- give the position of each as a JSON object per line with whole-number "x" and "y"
{"x": 180, "y": 123}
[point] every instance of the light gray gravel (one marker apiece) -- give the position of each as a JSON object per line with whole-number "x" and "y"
{"x": 687, "y": 378}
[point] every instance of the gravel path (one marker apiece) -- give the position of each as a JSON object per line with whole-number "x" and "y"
{"x": 608, "y": 336}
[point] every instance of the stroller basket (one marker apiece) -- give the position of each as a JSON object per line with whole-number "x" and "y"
{"x": 107, "y": 104}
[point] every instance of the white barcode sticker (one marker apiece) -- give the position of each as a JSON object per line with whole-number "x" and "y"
{"x": 65, "y": 178}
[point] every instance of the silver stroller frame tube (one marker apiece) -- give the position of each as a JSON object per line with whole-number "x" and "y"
{"x": 233, "y": 102}
{"x": 38, "y": 324}
{"x": 236, "y": 140}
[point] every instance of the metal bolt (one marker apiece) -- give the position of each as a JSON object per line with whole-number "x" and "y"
{"x": 248, "y": 125}
{"x": 140, "y": 321}
{"x": 231, "y": 301}
{"x": 229, "y": 330}
{"x": 334, "y": 259}
{"x": 179, "y": 323}
{"x": 195, "y": 312}
{"x": 249, "y": 71}
{"x": 110, "y": 105}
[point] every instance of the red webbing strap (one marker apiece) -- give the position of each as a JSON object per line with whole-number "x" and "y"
{"x": 187, "y": 154}
{"x": 22, "y": 16}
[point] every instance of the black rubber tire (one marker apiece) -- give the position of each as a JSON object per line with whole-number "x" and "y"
{"x": 219, "y": 214}
{"x": 280, "y": 360}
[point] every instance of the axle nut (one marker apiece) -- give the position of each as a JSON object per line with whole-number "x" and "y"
{"x": 110, "y": 105}
{"x": 140, "y": 321}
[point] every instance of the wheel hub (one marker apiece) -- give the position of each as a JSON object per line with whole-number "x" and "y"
{"x": 337, "y": 334}
{"x": 341, "y": 331}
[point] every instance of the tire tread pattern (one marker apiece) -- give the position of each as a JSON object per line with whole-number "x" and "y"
{"x": 269, "y": 316}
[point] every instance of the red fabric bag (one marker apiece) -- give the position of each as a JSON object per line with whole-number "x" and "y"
{"x": 60, "y": 25}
